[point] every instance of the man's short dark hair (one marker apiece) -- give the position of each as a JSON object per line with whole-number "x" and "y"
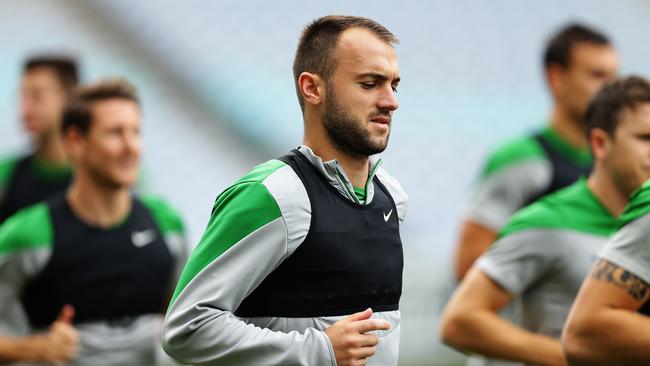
{"x": 559, "y": 47}
{"x": 318, "y": 42}
{"x": 64, "y": 67}
{"x": 78, "y": 112}
{"x": 607, "y": 105}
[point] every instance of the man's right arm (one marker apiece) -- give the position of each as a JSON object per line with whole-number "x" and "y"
{"x": 25, "y": 240}
{"x": 474, "y": 240}
{"x": 246, "y": 239}
{"x": 59, "y": 344}
{"x": 471, "y": 322}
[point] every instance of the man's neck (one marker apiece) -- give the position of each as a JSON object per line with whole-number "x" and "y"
{"x": 50, "y": 150}
{"x": 355, "y": 167}
{"x": 568, "y": 128}
{"x": 603, "y": 187}
{"x": 97, "y": 205}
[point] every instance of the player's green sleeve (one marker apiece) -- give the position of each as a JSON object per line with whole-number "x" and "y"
{"x": 255, "y": 225}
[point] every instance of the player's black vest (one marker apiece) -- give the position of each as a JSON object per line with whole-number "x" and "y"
{"x": 565, "y": 171}
{"x": 102, "y": 273}
{"x": 350, "y": 260}
{"x": 26, "y": 188}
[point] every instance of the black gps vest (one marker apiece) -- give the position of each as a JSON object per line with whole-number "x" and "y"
{"x": 110, "y": 275}
{"x": 26, "y": 188}
{"x": 565, "y": 171}
{"x": 350, "y": 260}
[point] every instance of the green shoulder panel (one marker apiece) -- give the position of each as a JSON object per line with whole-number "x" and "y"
{"x": 29, "y": 228}
{"x": 573, "y": 208}
{"x": 512, "y": 152}
{"x": 638, "y": 205}
{"x": 238, "y": 211}
{"x": 6, "y": 169}
{"x": 166, "y": 217}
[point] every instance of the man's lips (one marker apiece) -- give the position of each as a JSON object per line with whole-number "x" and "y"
{"x": 381, "y": 119}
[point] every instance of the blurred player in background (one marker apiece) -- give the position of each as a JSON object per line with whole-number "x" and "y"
{"x": 577, "y": 62}
{"x": 546, "y": 249}
{"x": 609, "y": 323}
{"x": 95, "y": 257}
{"x": 47, "y": 82}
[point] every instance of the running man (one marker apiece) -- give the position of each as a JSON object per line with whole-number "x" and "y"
{"x": 577, "y": 62}
{"x": 544, "y": 252}
{"x": 609, "y": 322}
{"x": 95, "y": 262}
{"x": 301, "y": 262}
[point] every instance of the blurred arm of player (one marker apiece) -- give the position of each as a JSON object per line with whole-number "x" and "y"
{"x": 25, "y": 242}
{"x": 604, "y": 327}
{"x": 58, "y": 345}
{"x": 471, "y": 322}
{"x": 475, "y": 239}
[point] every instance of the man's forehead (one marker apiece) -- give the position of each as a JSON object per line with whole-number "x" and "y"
{"x": 589, "y": 53}
{"x": 109, "y": 109}
{"x": 360, "y": 47}
{"x": 40, "y": 74}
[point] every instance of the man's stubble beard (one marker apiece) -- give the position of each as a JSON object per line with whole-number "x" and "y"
{"x": 347, "y": 133}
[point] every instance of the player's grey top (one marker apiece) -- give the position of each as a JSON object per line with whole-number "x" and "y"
{"x": 546, "y": 250}
{"x": 630, "y": 246}
{"x": 521, "y": 171}
{"x": 255, "y": 225}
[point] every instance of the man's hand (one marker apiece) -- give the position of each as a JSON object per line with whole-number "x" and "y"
{"x": 352, "y": 346}
{"x": 60, "y": 343}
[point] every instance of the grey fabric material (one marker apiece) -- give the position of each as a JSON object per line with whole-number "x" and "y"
{"x": 15, "y": 269}
{"x": 545, "y": 268}
{"x": 630, "y": 248}
{"x": 475, "y": 360}
{"x": 499, "y": 195}
{"x": 200, "y": 327}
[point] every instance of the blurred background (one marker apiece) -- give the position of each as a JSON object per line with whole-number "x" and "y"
{"x": 218, "y": 98}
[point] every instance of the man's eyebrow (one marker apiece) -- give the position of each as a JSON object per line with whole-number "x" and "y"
{"x": 377, "y": 76}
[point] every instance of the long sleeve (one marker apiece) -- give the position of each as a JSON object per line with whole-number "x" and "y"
{"x": 254, "y": 226}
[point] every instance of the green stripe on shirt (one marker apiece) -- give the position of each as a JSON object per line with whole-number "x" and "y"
{"x": 639, "y": 204}
{"x": 167, "y": 219}
{"x": 572, "y": 208}
{"x": 28, "y": 228}
{"x": 514, "y": 151}
{"x": 7, "y": 167}
{"x": 239, "y": 211}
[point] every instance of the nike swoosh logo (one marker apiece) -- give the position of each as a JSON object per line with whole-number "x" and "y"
{"x": 387, "y": 216}
{"x": 143, "y": 238}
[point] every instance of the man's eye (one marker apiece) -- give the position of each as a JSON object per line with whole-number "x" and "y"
{"x": 367, "y": 85}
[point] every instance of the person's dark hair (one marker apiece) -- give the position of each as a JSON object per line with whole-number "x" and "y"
{"x": 64, "y": 67}
{"x": 605, "y": 108}
{"x": 318, "y": 42}
{"x": 78, "y": 111}
{"x": 559, "y": 47}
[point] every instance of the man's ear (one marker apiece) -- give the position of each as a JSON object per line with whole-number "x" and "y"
{"x": 555, "y": 77}
{"x": 599, "y": 141}
{"x": 312, "y": 88}
{"x": 73, "y": 142}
